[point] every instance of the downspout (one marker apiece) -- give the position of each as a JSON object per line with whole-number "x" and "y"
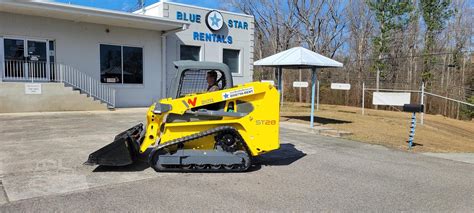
{"x": 163, "y": 57}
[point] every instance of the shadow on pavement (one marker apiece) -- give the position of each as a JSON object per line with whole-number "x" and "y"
{"x": 320, "y": 120}
{"x": 286, "y": 155}
{"x": 135, "y": 167}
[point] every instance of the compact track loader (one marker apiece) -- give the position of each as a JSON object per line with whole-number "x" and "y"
{"x": 198, "y": 130}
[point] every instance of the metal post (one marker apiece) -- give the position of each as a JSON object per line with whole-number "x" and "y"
{"x": 422, "y": 102}
{"x": 90, "y": 86}
{"x": 113, "y": 99}
{"x": 363, "y": 97}
{"x": 317, "y": 96}
{"x": 280, "y": 89}
{"x": 282, "y": 93}
{"x": 313, "y": 88}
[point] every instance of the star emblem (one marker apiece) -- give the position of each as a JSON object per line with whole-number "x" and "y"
{"x": 226, "y": 95}
{"x": 215, "y": 20}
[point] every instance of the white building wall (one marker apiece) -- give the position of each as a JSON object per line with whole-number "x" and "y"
{"x": 77, "y": 45}
{"x": 243, "y": 39}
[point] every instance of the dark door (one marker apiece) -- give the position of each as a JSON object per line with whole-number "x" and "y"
{"x": 14, "y": 53}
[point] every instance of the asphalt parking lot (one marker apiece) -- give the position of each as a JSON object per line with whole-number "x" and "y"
{"x": 41, "y": 169}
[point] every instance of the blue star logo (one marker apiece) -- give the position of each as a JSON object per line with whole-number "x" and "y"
{"x": 215, "y": 20}
{"x": 226, "y": 95}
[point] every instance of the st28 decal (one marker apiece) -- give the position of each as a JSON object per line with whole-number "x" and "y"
{"x": 266, "y": 122}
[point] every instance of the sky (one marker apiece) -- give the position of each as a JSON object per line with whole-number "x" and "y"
{"x": 127, "y": 5}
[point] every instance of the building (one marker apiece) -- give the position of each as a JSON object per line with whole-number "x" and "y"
{"x": 122, "y": 59}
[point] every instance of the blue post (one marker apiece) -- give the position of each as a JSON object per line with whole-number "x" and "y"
{"x": 279, "y": 78}
{"x": 412, "y": 131}
{"x": 313, "y": 88}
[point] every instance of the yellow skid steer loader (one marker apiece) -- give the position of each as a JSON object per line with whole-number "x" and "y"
{"x": 198, "y": 130}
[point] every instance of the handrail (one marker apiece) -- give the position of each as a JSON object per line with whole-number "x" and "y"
{"x": 55, "y": 72}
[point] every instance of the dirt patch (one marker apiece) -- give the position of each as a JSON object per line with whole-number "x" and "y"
{"x": 389, "y": 128}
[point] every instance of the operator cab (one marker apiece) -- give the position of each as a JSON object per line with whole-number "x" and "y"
{"x": 191, "y": 77}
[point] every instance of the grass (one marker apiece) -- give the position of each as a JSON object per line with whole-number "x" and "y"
{"x": 389, "y": 128}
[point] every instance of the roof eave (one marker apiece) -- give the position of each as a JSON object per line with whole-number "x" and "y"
{"x": 90, "y": 15}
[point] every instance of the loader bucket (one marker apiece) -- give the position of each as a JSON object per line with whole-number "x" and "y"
{"x": 123, "y": 151}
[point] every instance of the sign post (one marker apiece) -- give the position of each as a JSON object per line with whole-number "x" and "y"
{"x": 363, "y": 97}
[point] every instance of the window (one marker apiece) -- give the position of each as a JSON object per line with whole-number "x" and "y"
{"x": 121, "y": 64}
{"x": 195, "y": 81}
{"x": 187, "y": 52}
{"x": 232, "y": 59}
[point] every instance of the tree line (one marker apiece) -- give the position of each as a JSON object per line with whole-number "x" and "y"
{"x": 386, "y": 44}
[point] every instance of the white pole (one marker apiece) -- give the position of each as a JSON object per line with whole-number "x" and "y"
{"x": 363, "y": 97}
{"x": 422, "y": 102}
{"x": 317, "y": 97}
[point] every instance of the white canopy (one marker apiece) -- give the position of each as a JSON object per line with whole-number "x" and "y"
{"x": 297, "y": 57}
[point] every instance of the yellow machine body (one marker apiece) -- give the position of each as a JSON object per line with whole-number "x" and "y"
{"x": 259, "y": 128}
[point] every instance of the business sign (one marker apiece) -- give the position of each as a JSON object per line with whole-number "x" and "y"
{"x": 33, "y": 89}
{"x": 300, "y": 84}
{"x": 339, "y": 86}
{"x": 215, "y": 22}
{"x": 269, "y": 81}
{"x": 391, "y": 98}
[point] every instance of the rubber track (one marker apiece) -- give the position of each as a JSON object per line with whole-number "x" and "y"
{"x": 188, "y": 139}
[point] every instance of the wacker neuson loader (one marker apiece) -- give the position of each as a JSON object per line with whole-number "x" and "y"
{"x": 196, "y": 130}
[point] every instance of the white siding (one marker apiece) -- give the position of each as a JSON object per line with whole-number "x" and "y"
{"x": 210, "y": 51}
{"x": 77, "y": 45}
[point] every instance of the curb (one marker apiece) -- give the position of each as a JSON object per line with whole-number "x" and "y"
{"x": 320, "y": 130}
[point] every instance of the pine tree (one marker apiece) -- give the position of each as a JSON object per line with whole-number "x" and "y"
{"x": 391, "y": 15}
{"x": 435, "y": 13}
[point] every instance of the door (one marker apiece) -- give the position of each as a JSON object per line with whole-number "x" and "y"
{"x": 25, "y": 59}
{"x": 36, "y": 59}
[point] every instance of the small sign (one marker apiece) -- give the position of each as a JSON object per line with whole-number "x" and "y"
{"x": 339, "y": 86}
{"x": 111, "y": 80}
{"x": 237, "y": 93}
{"x": 300, "y": 84}
{"x": 391, "y": 98}
{"x": 33, "y": 89}
{"x": 269, "y": 81}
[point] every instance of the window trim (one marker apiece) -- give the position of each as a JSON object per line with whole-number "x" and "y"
{"x": 240, "y": 70}
{"x": 121, "y": 64}
{"x": 192, "y": 45}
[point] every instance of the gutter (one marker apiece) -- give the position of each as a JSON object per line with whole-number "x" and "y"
{"x": 164, "y": 34}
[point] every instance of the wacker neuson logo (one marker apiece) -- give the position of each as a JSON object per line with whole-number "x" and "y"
{"x": 237, "y": 93}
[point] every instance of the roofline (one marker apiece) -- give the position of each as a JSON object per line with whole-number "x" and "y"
{"x": 91, "y": 11}
{"x": 195, "y": 7}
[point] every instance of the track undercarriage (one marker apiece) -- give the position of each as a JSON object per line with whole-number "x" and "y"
{"x": 229, "y": 153}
